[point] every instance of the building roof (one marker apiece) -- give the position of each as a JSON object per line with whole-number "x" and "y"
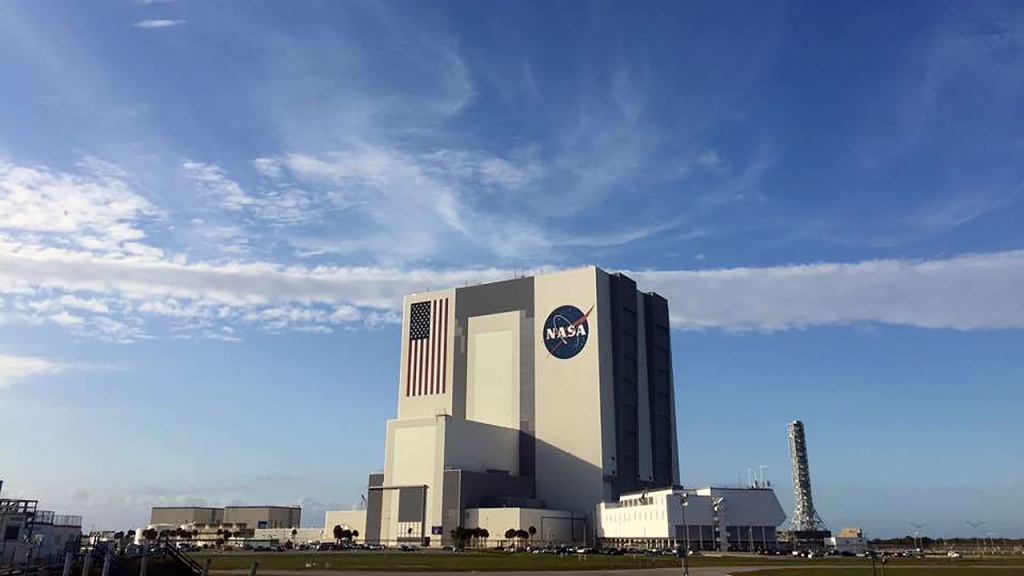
{"x": 187, "y": 508}
{"x": 263, "y": 507}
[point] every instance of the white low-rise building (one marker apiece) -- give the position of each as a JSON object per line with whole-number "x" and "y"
{"x": 848, "y": 541}
{"x": 720, "y": 519}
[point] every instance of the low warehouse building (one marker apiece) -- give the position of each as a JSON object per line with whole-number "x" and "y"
{"x": 258, "y": 517}
{"x": 714, "y": 519}
{"x": 181, "y": 515}
{"x": 848, "y": 541}
{"x": 354, "y": 520}
{"x": 549, "y": 526}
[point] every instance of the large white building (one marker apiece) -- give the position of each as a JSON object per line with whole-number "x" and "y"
{"x": 719, "y": 519}
{"x": 545, "y": 394}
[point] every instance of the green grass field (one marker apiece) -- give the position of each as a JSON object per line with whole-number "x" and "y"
{"x": 949, "y": 570}
{"x": 498, "y": 561}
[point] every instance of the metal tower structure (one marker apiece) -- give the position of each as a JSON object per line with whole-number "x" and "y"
{"x": 805, "y": 517}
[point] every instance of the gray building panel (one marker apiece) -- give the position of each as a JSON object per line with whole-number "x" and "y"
{"x": 463, "y": 490}
{"x": 496, "y": 298}
{"x": 659, "y": 377}
{"x": 623, "y": 313}
{"x": 374, "y": 506}
{"x": 411, "y": 504}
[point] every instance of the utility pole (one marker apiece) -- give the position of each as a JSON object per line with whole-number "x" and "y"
{"x": 683, "y": 503}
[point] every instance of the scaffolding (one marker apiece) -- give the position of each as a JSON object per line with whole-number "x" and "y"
{"x": 805, "y": 517}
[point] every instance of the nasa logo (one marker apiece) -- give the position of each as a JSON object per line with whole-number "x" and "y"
{"x": 565, "y": 331}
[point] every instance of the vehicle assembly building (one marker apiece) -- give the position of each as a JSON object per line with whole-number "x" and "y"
{"x": 534, "y": 400}
{"x": 551, "y": 392}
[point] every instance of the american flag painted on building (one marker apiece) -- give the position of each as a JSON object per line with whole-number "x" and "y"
{"x": 427, "y": 360}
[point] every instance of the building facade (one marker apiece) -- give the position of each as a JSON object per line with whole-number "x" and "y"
{"x": 29, "y": 535}
{"x": 297, "y": 536}
{"x": 209, "y": 524}
{"x": 848, "y": 541}
{"x": 714, "y": 519}
{"x": 181, "y": 515}
{"x": 346, "y": 519}
{"x": 551, "y": 392}
{"x": 259, "y": 517}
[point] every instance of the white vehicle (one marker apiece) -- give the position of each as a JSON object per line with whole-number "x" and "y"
{"x": 953, "y": 554}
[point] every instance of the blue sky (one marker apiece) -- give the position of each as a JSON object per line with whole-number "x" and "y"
{"x": 209, "y": 212}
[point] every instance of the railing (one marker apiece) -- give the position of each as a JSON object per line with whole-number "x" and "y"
{"x": 45, "y": 517}
{"x": 18, "y": 506}
{"x": 182, "y": 557}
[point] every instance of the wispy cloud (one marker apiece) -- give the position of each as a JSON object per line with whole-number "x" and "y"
{"x": 14, "y": 369}
{"x": 96, "y": 209}
{"x": 159, "y": 23}
{"x": 966, "y": 292}
{"x": 74, "y": 253}
{"x": 228, "y": 194}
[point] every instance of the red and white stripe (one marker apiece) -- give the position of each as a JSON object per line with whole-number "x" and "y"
{"x": 427, "y": 369}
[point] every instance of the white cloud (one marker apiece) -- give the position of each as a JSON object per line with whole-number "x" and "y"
{"x": 267, "y": 167}
{"x": 709, "y": 159}
{"x": 96, "y": 210}
{"x": 158, "y": 23}
{"x": 401, "y": 209}
{"x": 228, "y": 193}
{"x": 976, "y": 291}
{"x": 17, "y": 368}
{"x": 76, "y": 255}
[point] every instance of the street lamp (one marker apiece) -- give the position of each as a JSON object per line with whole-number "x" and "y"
{"x": 683, "y": 503}
{"x": 917, "y": 534}
{"x": 976, "y": 525}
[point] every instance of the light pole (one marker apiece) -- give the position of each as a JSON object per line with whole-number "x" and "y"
{"x": 917, "y": 534}
{"x": 683, "y": 503}
{"x": 976, "y": 525}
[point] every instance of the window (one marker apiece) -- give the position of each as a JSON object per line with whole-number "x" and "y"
{"x": 12, "y": 532}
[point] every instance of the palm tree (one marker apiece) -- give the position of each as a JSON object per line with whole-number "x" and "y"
{"x": 355, "y": 534}
{"x": 531, "y": 531}
{"x": 294, "y": 533}
{"x": 337, "y": 534}
{"x": 485, "y": 535}
{"x": 510, "y": 534}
